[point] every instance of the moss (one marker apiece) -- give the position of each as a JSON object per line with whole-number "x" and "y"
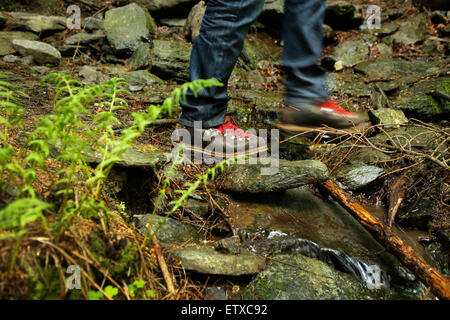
{"x": 46, "y": 286}
{"x": 123, "y": 266}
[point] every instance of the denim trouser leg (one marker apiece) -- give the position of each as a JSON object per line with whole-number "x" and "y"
{"x": 220, "y": 43}
{"x": 214, "y": 54}
{"x": 303, "y": 42}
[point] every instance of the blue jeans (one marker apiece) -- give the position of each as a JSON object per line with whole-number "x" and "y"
{"x": 217, "y": 48}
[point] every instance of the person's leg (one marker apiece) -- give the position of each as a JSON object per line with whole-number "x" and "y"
{"x": 303, "y": 41}
{"x": 214, "y": 55}
{"x": 306, "y": 97}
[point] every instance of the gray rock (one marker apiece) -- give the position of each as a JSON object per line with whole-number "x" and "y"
{"x": 140, "y": 58}
{"x": 92, "y": 23}
{"x": 140, "y": 79}
{"x": 205, "y": 259}
{"x": 27, "y": 60}
{"x": 257, "y": 48}
{"x": 11, "y": 58}
{"x": 38, "y": 23}
{"x": 386, "y": 29}
{"x": 191, "y": 28}
{"x": 356, "y": 176}
{"x": 42, "y": 53}
{"x": 6, "y": 38}
{"x": 328, "y": 33}
{"x": 127, "y": 26}
{"x": 388, "y": 117}
{"x": 173, "y": 22}
{"x": 248, "y": 178}
{"x": 196, "y": 208}
{"x": 84, "y": 38}
{"x": 40, "y": 69}
{"x": 170, "y": 232}
{"x": 92, "y": 76}
{"x": 296, "y": 277}
{"x": 230, "y": 245}
{"x": 411, "y": 31}
{"x": 351, "y": 52}
{"x": 170, "y": 59}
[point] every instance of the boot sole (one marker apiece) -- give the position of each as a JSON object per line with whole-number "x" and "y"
{"x": 296, "y": 128}
{"x": 221, "y": 155}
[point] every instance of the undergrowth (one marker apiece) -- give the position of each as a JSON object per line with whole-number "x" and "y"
{"x": 74, "y": 199}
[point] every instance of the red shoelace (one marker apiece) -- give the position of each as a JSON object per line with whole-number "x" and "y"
{"x": 232, "y": 126}
{"x": 331, "y": 104}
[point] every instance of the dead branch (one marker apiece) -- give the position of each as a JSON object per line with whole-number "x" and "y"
{"x": 439, "y": 285}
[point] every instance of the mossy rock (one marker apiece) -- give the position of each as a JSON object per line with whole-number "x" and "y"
{"x": 296, "y": 277}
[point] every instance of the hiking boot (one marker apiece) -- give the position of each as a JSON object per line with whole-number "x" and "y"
{"x": 224, "y": 141}
{"x": 304, "y": 117}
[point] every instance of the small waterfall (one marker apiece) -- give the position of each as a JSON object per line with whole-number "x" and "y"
{"x": 371, "y": 274}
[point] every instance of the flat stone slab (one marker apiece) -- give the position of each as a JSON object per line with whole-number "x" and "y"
{"x": 249, "y": 178}
{"x": 170, "y": 232}
{"x": 356, "y": 176}
{"x": 206, "y": 259}
{"x": 42, "y": 53}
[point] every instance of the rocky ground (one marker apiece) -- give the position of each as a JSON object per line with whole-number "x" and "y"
{"x": 292, "y": 243}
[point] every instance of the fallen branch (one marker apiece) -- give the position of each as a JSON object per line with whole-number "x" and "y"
{"x": 162, "y": 261}
{"x": 438, "y": 284}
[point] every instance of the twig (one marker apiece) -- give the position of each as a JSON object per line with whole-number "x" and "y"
{"x": 162, "y": 262}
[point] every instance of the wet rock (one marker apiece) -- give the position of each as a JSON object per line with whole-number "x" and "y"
{"x": 7, "y": 37}
{"x": 127, "y": 26}
{"x": 400, "y": 72}
{"x": 42, "y": 53}
{"x": 296, "y": 277}
{"x": 411, "y": 31}
{"x": 197, "y": 208}
{"x": 205, "y": 259}
{"x": 250, "y": 178}
{"x": 84, "y": 38}
{"x": 170, "y": 59}
{"x": 417, "y": 101}
{"x": 351, "y": 52}
{"x": 387, "y": 117}
{"x": 356, "y": 176}
{"x": 92, "y": 75}
{"x": 140, "y": 58}
{"x": 140, "y": 79}
{"x": 230, "y": 245}
{"x": 417, "y": 215}
{"x": 191, "y": 28}
{"x": 38, "y": 23}
{"x": 92, "y": 24}
{"x": 170, "y": 232}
